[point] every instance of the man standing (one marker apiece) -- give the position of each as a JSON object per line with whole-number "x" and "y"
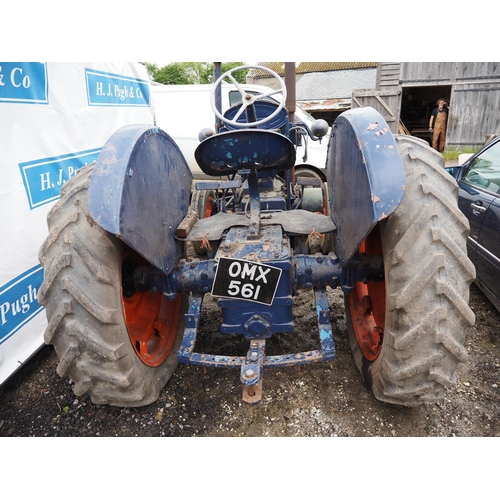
{"x": 437, "y": 125}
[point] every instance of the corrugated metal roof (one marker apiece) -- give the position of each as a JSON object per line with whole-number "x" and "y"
{"x": 334, "y": 84}
{"x": 310, "y": 67}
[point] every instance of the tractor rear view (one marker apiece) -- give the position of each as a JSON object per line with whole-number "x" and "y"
{"x": 134, "y": 246}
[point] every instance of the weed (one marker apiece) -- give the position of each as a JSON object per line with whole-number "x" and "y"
{"x": 453, "y": 153}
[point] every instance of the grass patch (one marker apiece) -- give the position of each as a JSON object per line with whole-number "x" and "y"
{"x": 452, "y": 153}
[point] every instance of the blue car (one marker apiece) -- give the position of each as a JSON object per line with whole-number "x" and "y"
{"x": 479, "y": 199}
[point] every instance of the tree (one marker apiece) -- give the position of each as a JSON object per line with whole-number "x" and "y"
{"x": 240, "y": 75}
{"x": 179, "y": 73}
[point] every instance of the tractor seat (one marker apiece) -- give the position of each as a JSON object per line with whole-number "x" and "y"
{"x": 246, "y": 149}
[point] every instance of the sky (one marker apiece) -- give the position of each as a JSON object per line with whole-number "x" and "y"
{"x": 256, "y": 31}
{"x": 377, "y": 33}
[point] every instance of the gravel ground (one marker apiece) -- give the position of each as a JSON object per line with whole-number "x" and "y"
{"x": 324, "y": 399}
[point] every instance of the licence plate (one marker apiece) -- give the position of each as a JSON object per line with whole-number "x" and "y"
{"x": 246, "y": 280}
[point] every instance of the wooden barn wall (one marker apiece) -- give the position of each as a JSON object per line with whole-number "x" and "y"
{"x": 439, "y": 73}
{"x": 428, "y": 73}
{"x": 475, "y": 96}
{"x": 474, "y": 114}
{"x": 388, "y": 74}
{"x": 477, "y": 71}
{"x": 386, "y": 102}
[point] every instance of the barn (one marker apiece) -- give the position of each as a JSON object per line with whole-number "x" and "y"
{"x": 405, "y": 93}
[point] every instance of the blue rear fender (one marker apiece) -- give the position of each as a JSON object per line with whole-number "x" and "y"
{"x": 140, "y": 191}
{"x": 365, "y": 175}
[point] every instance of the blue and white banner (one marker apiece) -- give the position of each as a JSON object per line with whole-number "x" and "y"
{"x": 24, "y": 83}
{"x": 44, "y": 178}
{"x": 18, "y": 302}
{"x": 107, "y": 89}
{"x": 54, "y": 119}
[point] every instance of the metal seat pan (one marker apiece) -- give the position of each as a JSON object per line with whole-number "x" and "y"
{"x": 249, "y": 149}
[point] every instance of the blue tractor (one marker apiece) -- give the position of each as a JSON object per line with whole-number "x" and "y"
{"x": 135, "y": 244}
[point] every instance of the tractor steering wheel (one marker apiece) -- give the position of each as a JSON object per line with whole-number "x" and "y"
{"x": 248, "y": 99}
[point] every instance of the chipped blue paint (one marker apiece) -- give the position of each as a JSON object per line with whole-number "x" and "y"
{"x": 324, "y": 334}
{"x": 121, "y": 203}
{"x": 364, "y": 158}
{"x": 188, "y": 355}
{"x": 246, "y": 149}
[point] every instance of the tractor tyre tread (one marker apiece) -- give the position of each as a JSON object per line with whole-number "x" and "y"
{"x": 427, "y": 279}
{"x": 81, "y": 293}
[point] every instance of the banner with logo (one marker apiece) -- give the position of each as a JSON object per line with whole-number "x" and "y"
{"x": 54, "y": 119}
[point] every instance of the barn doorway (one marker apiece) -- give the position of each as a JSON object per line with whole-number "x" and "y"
{"x": 417, "y": 104}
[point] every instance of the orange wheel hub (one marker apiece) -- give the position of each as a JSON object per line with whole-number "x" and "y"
{"x": 152, "y": 320}
{"x": 367, "y": 305}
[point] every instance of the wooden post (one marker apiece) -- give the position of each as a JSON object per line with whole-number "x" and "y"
{"x": 290, "y": 106}
{"x": 290, "y": 89}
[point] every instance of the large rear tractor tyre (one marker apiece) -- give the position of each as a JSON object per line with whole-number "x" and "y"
{"x": 116, "y": 344}
{"x": 407, "y": 334}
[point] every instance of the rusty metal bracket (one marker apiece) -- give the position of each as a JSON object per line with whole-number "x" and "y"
{"x": 252, "y": 372}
